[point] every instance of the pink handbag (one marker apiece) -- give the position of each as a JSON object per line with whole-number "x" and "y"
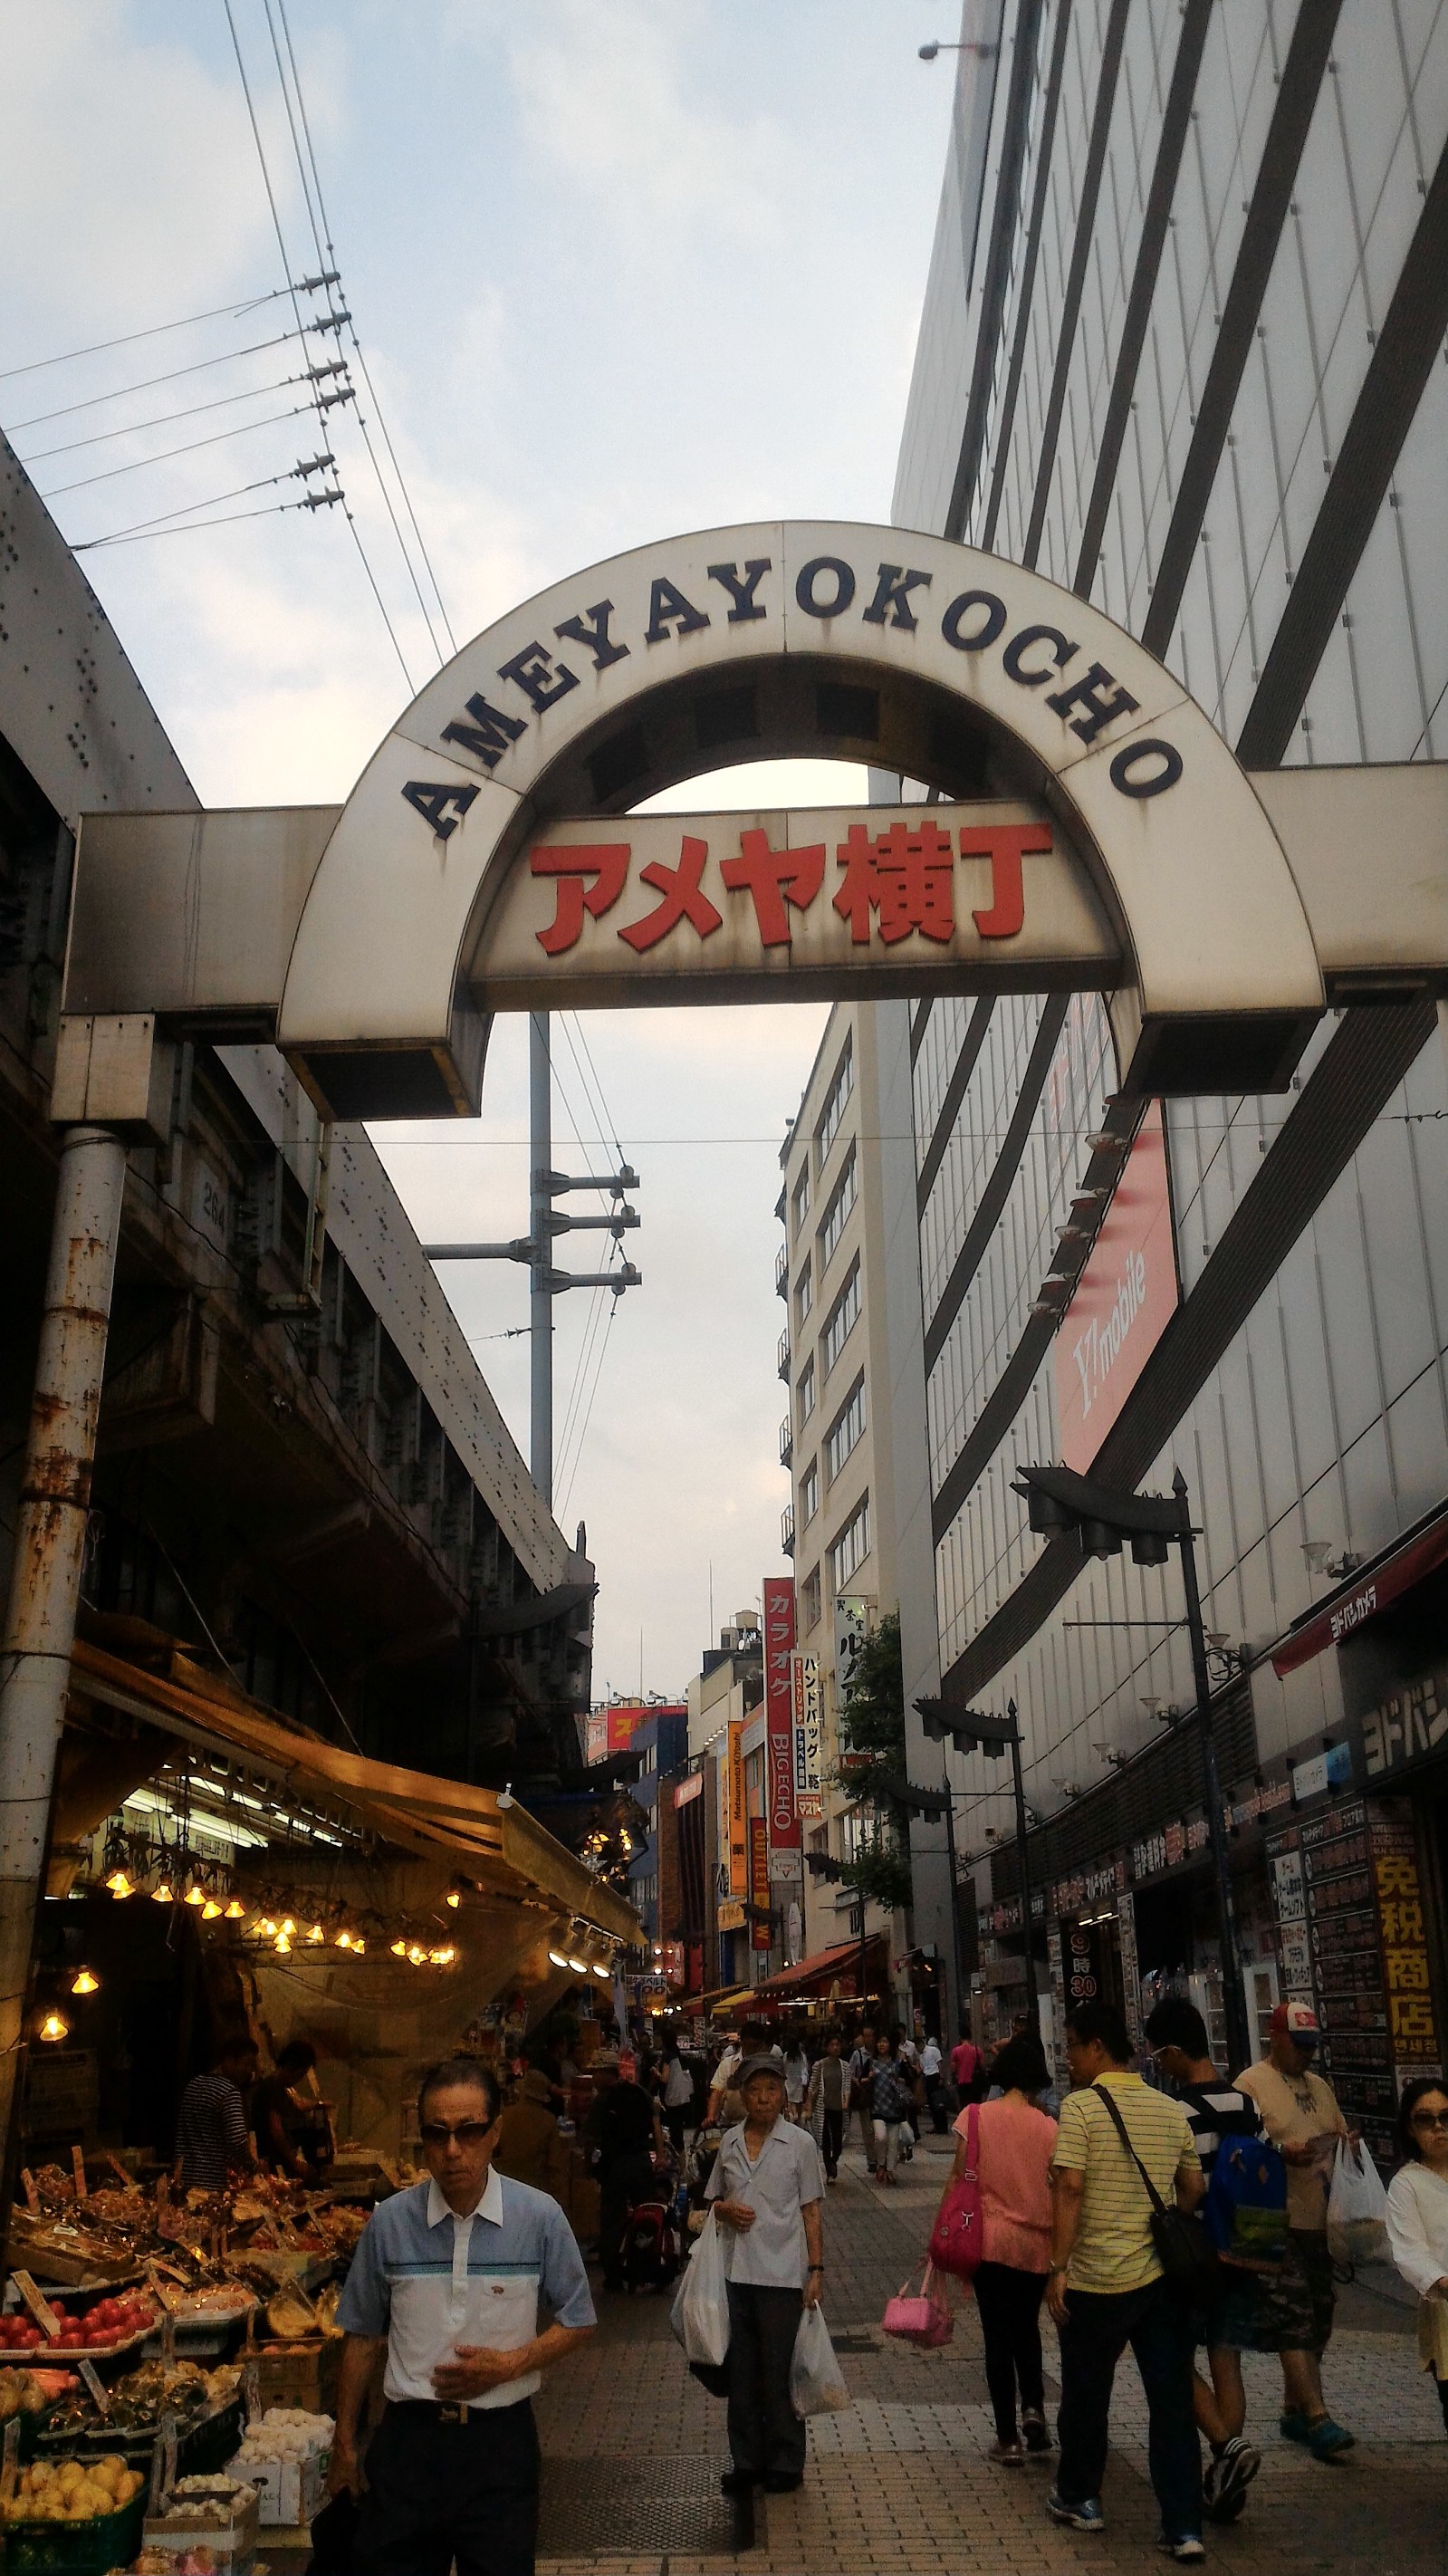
{"x": 922, "y": 2316}
{"x": 958, "y": 2236}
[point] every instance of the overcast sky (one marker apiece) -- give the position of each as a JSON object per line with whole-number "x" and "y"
{"x": 620, "y": 268}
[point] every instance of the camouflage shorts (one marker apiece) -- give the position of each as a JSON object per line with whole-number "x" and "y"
{"x": 1289, "y": 2310}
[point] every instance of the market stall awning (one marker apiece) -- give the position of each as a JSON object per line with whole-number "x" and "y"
{"x": 1371, "y": 1589}
{"x": 822, "y": 1970}
{"x": 719, "y": 1999}
{"x": 446, "y": 1820}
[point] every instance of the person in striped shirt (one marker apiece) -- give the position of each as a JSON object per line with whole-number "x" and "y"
{"x": 1105, "y": 2288}
{"x": 1177, "y": 2038}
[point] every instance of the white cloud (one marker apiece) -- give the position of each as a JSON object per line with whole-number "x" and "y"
{"x": 618, "y": 269}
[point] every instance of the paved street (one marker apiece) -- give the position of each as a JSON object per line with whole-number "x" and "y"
{"x": 633, "y": 2448}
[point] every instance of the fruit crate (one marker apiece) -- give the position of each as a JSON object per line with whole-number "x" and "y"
{"x": 300, "y": 2374}
{"x": 76, "y": 2548}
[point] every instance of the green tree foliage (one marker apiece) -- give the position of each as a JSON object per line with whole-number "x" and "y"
{"x": 872, "y": 1753}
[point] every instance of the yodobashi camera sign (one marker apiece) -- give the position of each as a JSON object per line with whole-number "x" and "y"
{"x": 1123, "y": 1301}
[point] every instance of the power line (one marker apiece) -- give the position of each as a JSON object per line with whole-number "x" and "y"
{"x": 138, "y": 527}
{"x": 148, "y": 384}
{"x": 331, "y": 255}
{"x": 192, "y": 444}
{"x": 135, "y": 536}
{"x": 162, "y": 420}
{"x": 613, "y": 1306}
{"x": 126, "y": 339}
{"x": 287, "y": 270}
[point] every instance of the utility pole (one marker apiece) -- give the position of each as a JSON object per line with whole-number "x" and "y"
{"x": 49, "y": 1552}
{"x": 545, "y": 1282}
{"x": 540, "y": 1294}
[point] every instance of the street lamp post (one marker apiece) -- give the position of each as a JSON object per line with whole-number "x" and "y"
{"x": 1233, "y": 2001}
{"x": 1063, "y": 1505}
{"x": 1024, "y": 1856}
{"x": 972, "y": 1730}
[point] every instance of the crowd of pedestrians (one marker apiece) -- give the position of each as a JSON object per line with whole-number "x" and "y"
{"x": 1156, "y": 2206}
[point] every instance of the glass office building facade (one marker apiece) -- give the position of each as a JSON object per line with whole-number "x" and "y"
{"x": 1182, "y": 351}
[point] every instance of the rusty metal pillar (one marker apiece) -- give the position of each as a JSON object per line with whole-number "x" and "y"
{"x": 50, "y": 1543}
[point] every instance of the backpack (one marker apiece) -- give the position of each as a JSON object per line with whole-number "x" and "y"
{"x": 1246, "y": 2204}
{"x": 650, "y": 2248}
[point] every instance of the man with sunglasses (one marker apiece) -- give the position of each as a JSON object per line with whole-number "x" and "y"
{"x": 449, "y": 2275}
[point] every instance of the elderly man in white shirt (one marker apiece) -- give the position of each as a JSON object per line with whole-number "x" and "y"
{"x": 767, "y": 2187}
{"x": 450, "y": 2274}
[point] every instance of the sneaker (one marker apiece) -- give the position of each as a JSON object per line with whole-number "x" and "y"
{"x": 1189, "y": 2549}
{"x": 1038, "y": 2440}
{"x": 1295, "y": 2428}
{"x": 1009, "y": 2455}
{"x": 1327, "y": 2441}
{"x": 1081, "y": 2517}
{"x": 1224, "y": 2488}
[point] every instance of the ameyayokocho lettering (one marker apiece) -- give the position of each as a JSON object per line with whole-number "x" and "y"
{"x": 976, "y": 620}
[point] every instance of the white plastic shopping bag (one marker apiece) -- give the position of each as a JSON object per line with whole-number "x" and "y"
{"x": 816, "y": 2381}
{"x": 700, "y": 2314}
{"x": 1357, "y": 2208}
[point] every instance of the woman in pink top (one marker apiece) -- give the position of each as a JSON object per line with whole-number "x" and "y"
{"x": 1015, "y": 2146}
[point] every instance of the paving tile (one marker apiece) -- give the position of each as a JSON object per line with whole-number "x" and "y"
{"x": 899, "y": 2484}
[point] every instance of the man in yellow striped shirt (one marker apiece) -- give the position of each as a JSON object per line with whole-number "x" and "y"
{"x": 1106, "y": 2288}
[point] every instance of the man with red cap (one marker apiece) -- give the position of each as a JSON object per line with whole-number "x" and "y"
{"x": 1301, "y": 2116}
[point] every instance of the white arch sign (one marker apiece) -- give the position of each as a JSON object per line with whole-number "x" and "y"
{"x": 1092, "y": 830}
{"x": 751, "y": 642}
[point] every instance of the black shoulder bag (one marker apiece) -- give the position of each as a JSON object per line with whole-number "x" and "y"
{"x": 1185, "y": 2251}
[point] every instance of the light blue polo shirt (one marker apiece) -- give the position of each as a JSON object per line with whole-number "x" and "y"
{"x": 430, "y": 2280}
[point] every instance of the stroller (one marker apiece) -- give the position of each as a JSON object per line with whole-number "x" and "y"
{"x": 651, "y": 2251}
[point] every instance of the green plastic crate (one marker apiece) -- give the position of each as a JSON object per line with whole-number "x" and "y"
{"x": 76, "y": 2548}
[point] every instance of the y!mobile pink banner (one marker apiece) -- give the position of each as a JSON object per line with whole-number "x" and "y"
{"x": 784, "y": 1827}
{"x": 1123, "y": 1302}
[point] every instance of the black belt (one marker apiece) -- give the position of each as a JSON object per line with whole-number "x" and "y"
{"x": 457, "y": 2410}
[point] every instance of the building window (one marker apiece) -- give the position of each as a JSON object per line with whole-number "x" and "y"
{"x": 834, "y": 1108}
{"x": 842, "y": 1317}
{"x": 842, "y": 1199}
{"x": 851, "y": 1547}
{"x": 800, "y": 1200}
{"x": 809, "y": 1493}
{"x": 809, "y": 1602}
{"x": 806, "y": 1392}
{"x": 803, "y": 1293}
{"x": 845, "y": 1430}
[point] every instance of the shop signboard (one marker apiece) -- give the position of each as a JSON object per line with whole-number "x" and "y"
{"x": 1402, "y": 1932}
{"x": 612, "y": 1730}
{"x": 852, "y": 1627}
{"x": 1130, "y": 1966}
{"x": 783, "y": 1814}
{"x": 689, "y": 1789}
{"x": 736, "y": 1831}
{"x": 1122, "y": 1302}
{"x": 674, "y": 1962}
{"x": 804, "y": 1672}
{"x": 730, "y": 1917}
{"x": 759, "y": 1933}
